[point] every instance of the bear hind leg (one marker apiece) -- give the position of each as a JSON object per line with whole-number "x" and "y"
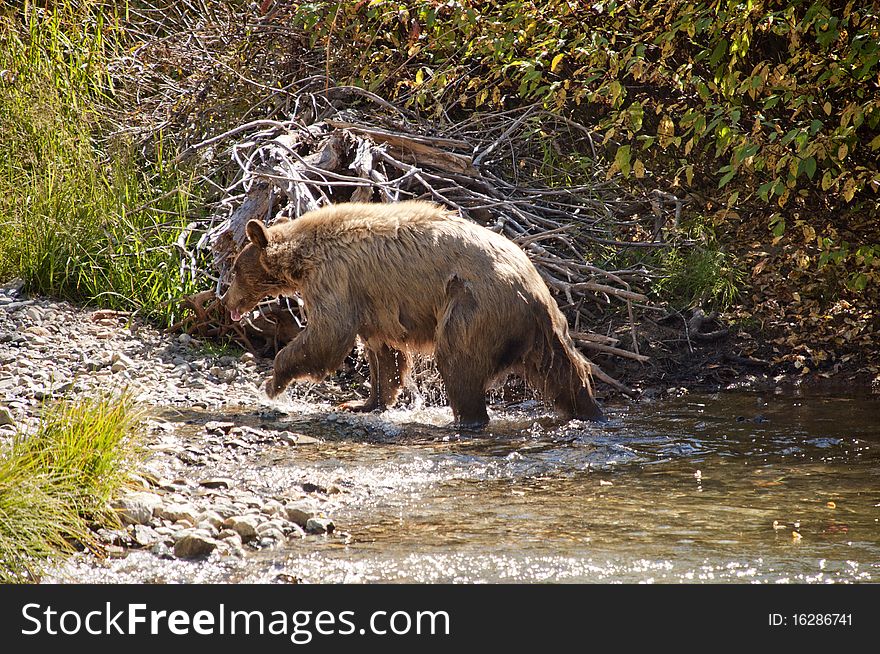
{"x": 466, "y": 393}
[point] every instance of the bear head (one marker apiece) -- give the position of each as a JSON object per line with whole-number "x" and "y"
{"x": 252, "y": 277}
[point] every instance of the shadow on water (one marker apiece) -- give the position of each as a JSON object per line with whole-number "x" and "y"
{"x": 700, "y": 488}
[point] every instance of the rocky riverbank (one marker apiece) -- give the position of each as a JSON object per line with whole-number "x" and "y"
{"x": 187, "y": 502}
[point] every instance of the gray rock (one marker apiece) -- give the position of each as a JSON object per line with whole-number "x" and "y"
{"x": 217, "y": 482}
{"x": 181, "y": 370}
{"x": 269, "y": 525}
{"x": 93, "y": 365}
{"x": 320, "y": 526}
{"x": 137, "y": 508}
{"x": 293, "y": 438}
{"x": 145, "y": 536}
{"x": 273, "y": 507}
{"x": 217, "y": 426}
{"x": 12, "y": 288}
{"x": 230, "y": 547}
{"x": 120, "y": 362}
{"x": 13, "y": 306}
{"x": 250, "y": 500}
{"x": 194, "y": 545}
{"x": 295, "y": 531}
{"x": 231, "y": 535}
{"x": 244, "y": 525}
{"x": 212, "y": 518}
{"x": 178, "y": 511}
{"x": 162, "y": 550}
{"x": 6, "y": 417}
{"x": 272, "y": 532}
{"x": 299, "y": 513}
{"x": 115, "y": 551}
{"x": 225, "y": 510}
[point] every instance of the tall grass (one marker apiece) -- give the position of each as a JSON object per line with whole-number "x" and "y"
{"x": 703, "y": 276}
{"x": 82, "y": 215}
{"x": 56, "y": 482}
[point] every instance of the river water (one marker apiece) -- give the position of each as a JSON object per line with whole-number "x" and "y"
{"x": 731, "y": 487}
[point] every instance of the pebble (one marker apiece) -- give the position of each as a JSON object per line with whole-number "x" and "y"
{"x": 34, "y": 314}
{"x": 320, "y": 526}
{"x": 119, "y": 362}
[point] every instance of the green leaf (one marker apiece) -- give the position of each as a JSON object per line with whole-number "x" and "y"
{"x": 727, "y": 177}
{"x": 827, "y": 180}
{"x": 777, "y": 225}
{"x": 807, "y": 166}
{"x": 635, "y": 114}
{"x": 622, "y": 159}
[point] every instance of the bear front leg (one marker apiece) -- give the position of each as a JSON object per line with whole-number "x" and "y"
{"x": 388, "y": 370}
{"x": 319, "y": 349}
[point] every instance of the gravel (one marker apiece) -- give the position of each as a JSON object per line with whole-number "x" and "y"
{"x": 186, "y": 507}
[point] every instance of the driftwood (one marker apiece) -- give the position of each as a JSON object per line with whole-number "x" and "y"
{"x": 286, "y": 168}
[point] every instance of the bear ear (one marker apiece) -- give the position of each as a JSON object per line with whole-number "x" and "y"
{"x": 257, "y": 233}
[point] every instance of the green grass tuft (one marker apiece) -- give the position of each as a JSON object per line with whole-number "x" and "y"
{"x": 56, "y": 482}
{"x": 702, "y": 276}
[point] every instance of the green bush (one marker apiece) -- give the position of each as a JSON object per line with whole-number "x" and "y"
{"x": 781, "y": 93}
{"x": 759, "y": 106}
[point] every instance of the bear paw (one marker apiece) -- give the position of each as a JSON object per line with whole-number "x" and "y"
{"x": 362, "y": 406}
{"x": 273, "y": 389}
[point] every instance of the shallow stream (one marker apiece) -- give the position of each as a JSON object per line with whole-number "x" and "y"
{"x": 733, "y": 487}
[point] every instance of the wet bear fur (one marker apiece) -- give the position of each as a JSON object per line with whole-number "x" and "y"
{"x": 412, "y": 277}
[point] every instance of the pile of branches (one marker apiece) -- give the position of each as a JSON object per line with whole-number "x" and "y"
{"x": 327, "y": 152}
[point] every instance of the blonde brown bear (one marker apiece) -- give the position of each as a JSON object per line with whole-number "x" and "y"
{"x": 411, "y": 276}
